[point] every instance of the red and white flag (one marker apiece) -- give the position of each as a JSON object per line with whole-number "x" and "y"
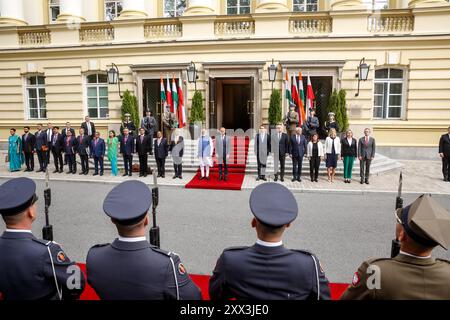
{"x": 169, "y": 95}
{"x": 181, "y": 107}
{"x": 309, "y": 96}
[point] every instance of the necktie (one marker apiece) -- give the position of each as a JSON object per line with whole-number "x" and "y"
{"x": 67, "y": 141}
{"x": 125, "y": 140}
{"x": 367, "y": 141}
{"x": 54, "y": 139}
{"x": 96, "y": 142}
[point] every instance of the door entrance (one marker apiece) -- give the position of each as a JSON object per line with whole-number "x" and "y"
{"x": 152, "y": 100}
{"x": 231, "y": 103}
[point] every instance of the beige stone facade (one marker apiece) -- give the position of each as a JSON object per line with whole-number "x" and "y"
{"x": 231, "y": 52}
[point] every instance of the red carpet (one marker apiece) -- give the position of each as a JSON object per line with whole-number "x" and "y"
{"x": 236, "y": 169}
{"x": 202, "y": 282}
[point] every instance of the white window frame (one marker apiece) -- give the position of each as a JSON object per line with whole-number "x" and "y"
{"x": 389, "y": 81}
{"x": 51, "y": 5}
{"x": 115, "y": 7}
{"x": 238, "y": 6}
{"x": 36, "y": 87}
{"x": 97, "y": 85}
{"x": 376, "y": 4}
{"x": 175, "y": 12}
{"x": 305, "y": 3}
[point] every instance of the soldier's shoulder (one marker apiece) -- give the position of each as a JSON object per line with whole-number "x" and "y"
{"x": 42, "y": 242}
{"x": 237, "y": 248}
{"x": 445, "y": 262}
{"x": 99, "y": 246}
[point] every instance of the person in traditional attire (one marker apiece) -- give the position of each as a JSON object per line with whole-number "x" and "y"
{"x": 15, "y": 151}
{"x": 113, "y": 142}
{"x": 205, "y": 152}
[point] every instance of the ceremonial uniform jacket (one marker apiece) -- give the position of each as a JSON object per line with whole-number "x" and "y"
{"x": 401, "y": 278}
{"x": 268, "y": 273}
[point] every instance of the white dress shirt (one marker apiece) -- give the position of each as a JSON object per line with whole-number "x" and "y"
{"x": 132, "y": 239}
{"x": 18, "y": 230}
{"x": 414, "y": 256}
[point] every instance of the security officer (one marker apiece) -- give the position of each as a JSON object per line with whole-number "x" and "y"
{"x": 130, "y": 268}
{"x": 128, "y": 124}
{"x": 413, "y": 274}
{"x": 268, "y": 270}
{"x": 31, "y": 269}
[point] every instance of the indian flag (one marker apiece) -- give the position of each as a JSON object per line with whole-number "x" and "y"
{"x": 163, "y": 94}
{"x": 296, "y": 100}
{"x": 182, "y": 110}
{"x": 175, "y": 97}
{"x": 288, "y": 89}
{"x": 169, "y": 95}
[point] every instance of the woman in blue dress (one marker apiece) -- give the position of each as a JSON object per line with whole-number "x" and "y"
{"x": 15, "y": 151}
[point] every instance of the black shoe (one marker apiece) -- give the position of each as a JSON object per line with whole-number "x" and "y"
{"x": 56, "y": 171}
{"x": 315, "y": 180}
{"x": 145, "y": 175}
{"x": 275, "y": 178}
{"x": 74, "y": 172}
{"x": 299, "y": 179}
{"x": 69, "y": 172}
{"x": 180, "y": 177}
{"x": 445, "y": 179}
{"x": 101, "y": 173}
{"x": 201, "y": 178}
{"x": 263, "y": 178}
{"x": 86, "y": 173}
{"x": 95, "y": 174}
{"x": 225, "y": 178}
{"x": 81, "y": 173}
{"x": 130, "y": 174}
{"x": 207, "y": 178}
{"x": 349, "y": 181}
{"x": 362, "y": 182}
{"x": 367, "y": 181}
{"x": 220, "y": 177}
{"x": 141, "y": 175}
{"x": 40, "y": 170}
{"x": 125, "y": 174}
{"x": 174, "y": 177}
{"x": 257, "y": 179}
{"x": 61, "y": 171}
{"x": 26, "y": 170}
{"x": 282, "y": 179}
{"x": 312, "y": 180}
{"x": 294, "y": 179}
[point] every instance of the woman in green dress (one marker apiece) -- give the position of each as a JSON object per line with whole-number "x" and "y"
{"x": 112, "y": 152}
{"x": 15, "y": 151}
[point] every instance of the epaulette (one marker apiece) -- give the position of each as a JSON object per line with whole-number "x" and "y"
{"x": 43, "y": 242}
{"x": 161, "y": 251}
{"x": 370, "y": 261}
{"x": 236, "y": 248}
{"x": 303, "y": 251}
{"x": 443, "y": 260}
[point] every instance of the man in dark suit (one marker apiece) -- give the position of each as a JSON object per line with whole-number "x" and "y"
{"x": 89, "y": 127}
{"x": 66, "y": 129}
{"x": 444, "y": 153}
{"x": 280, "y": 147}
{"x": 41, "y": 147}
{"x": 127, "y": 150}
{"x": 161, "y": 153}
{"x": 28, "y": 147}
{"x": 223, "y": 148}
{"x": 98, "y": 152}
{"x": 366, "y": 153}
{"x": 83, "y": 141}
{"x": 70, "y": 149}
{"x": 268, "y": 270}
{"x": 49, "y": 134}
{"x": 143, "y": 146}
{"x": 131, "y": 268}
{"x": 262, "y": 150}
{"x": 297, "y": 151}
{"x": 57, "y": 148}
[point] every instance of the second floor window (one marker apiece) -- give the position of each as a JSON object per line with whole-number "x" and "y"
{"x": 388, "y": 94}
{"x": 113, "y": 8}
{"x": 305, "y": 5}
{"x": 174, "y": 8}
{"x": 238, "y": 6}
{"x": 97, "y": 95}
{"x": 36, "y": 101}
{"x": 376, "y": 4}
{"x": 53, "y": 6}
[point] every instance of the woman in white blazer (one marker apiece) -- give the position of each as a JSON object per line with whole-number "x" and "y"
{"x": 315, "y": 154}
{"x": 205, "y": 152}
{"x": 333, "y": 153}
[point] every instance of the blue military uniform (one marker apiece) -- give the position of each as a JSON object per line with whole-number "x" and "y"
{"x": 31, "y": 268}
{"x": 269, "y": 271}
{"x": 131, "y": 268}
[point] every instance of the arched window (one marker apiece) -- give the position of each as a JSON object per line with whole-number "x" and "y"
{"x": 36, "y": 102}
{"x": 305, "y": 5}
{"x": 97, "y": 95}
{"x": 174, "y": 8}
{"x": 388, "y": 94}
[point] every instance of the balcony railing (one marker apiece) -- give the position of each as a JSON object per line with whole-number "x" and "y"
{"x": 390, "y": 23}
{"x": 34, "y": 38}
{"x": 163, "y": 29}
{"x": 310, "y": 24}
{"x": 96, "y": 34}
{"x": 244, "y": 26}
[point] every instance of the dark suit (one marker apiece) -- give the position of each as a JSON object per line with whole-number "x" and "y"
{"x": 86, "y": 131}
{"x": 41, "y": 141}
{"x": 127, "y": 150}
{"x": 262, "y": 150}
{"x": 130, "y": 126}
{"x": 268, "y": 273}
{"x": 83, "y": 152}
{"x": 297, "y": 151}
{"x": 280, "y": 146}
{"x": 177, "y": 149}
{"x": 28, "y": 147}
{"x": 161, "y": 152}
{"x": 138, "y": 271}
{"x": 444, "y": 147}
{"x": 70, "y": 149}
{"x": 347, "y": 150}
{"x": 223, "y": 148}
{"x": 64, "y": 132}
{"x": 57, "y": 149}
{"x": 98, "y": 152}
{"x": 143, "y": 147}
{"x": 366, "y": 151}
{"x": 27, "y": 272}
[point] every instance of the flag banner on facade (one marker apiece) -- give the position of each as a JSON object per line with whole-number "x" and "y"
{"x": 288, "y": 89}
{"x": 181, "y": 107}
{"x": 296, "y": 100}
{"x": 309, "y": 96}
{"x": 163, "y": 95}
{"x": 169, "y": 95}
{"x": 175, "y": 98}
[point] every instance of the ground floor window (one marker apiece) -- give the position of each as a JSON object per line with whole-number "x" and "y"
{"x": 388, "y": 94}
{"x": 36, "y": 101}
{"x": 97, "y": 95}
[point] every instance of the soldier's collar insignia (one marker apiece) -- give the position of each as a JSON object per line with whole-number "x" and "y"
{"x": 61, "y": 256}
{"x": 181, "y": 269}
{"x": 356, "y": 279}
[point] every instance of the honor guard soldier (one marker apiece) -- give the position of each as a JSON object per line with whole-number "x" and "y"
{"x": 413, "y": 274}
{"x": 31, "y": 269}
{"x": 131, "y": 268}
{"x": 268, "y": 270}
{"x": 128, "y": 124}
{"x": 291, "y": 120}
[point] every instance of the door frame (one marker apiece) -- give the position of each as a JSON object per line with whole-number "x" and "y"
{"x": 237, "y": 70}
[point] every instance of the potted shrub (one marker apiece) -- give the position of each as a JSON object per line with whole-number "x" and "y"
{"x": 130, "y": 105}
{"x": 197, "y": 116}
{"x": 275, "y": 115}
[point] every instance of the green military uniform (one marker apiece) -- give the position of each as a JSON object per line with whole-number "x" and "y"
{"x": 407, "y": 276}
{"x": 291, "y": 120}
